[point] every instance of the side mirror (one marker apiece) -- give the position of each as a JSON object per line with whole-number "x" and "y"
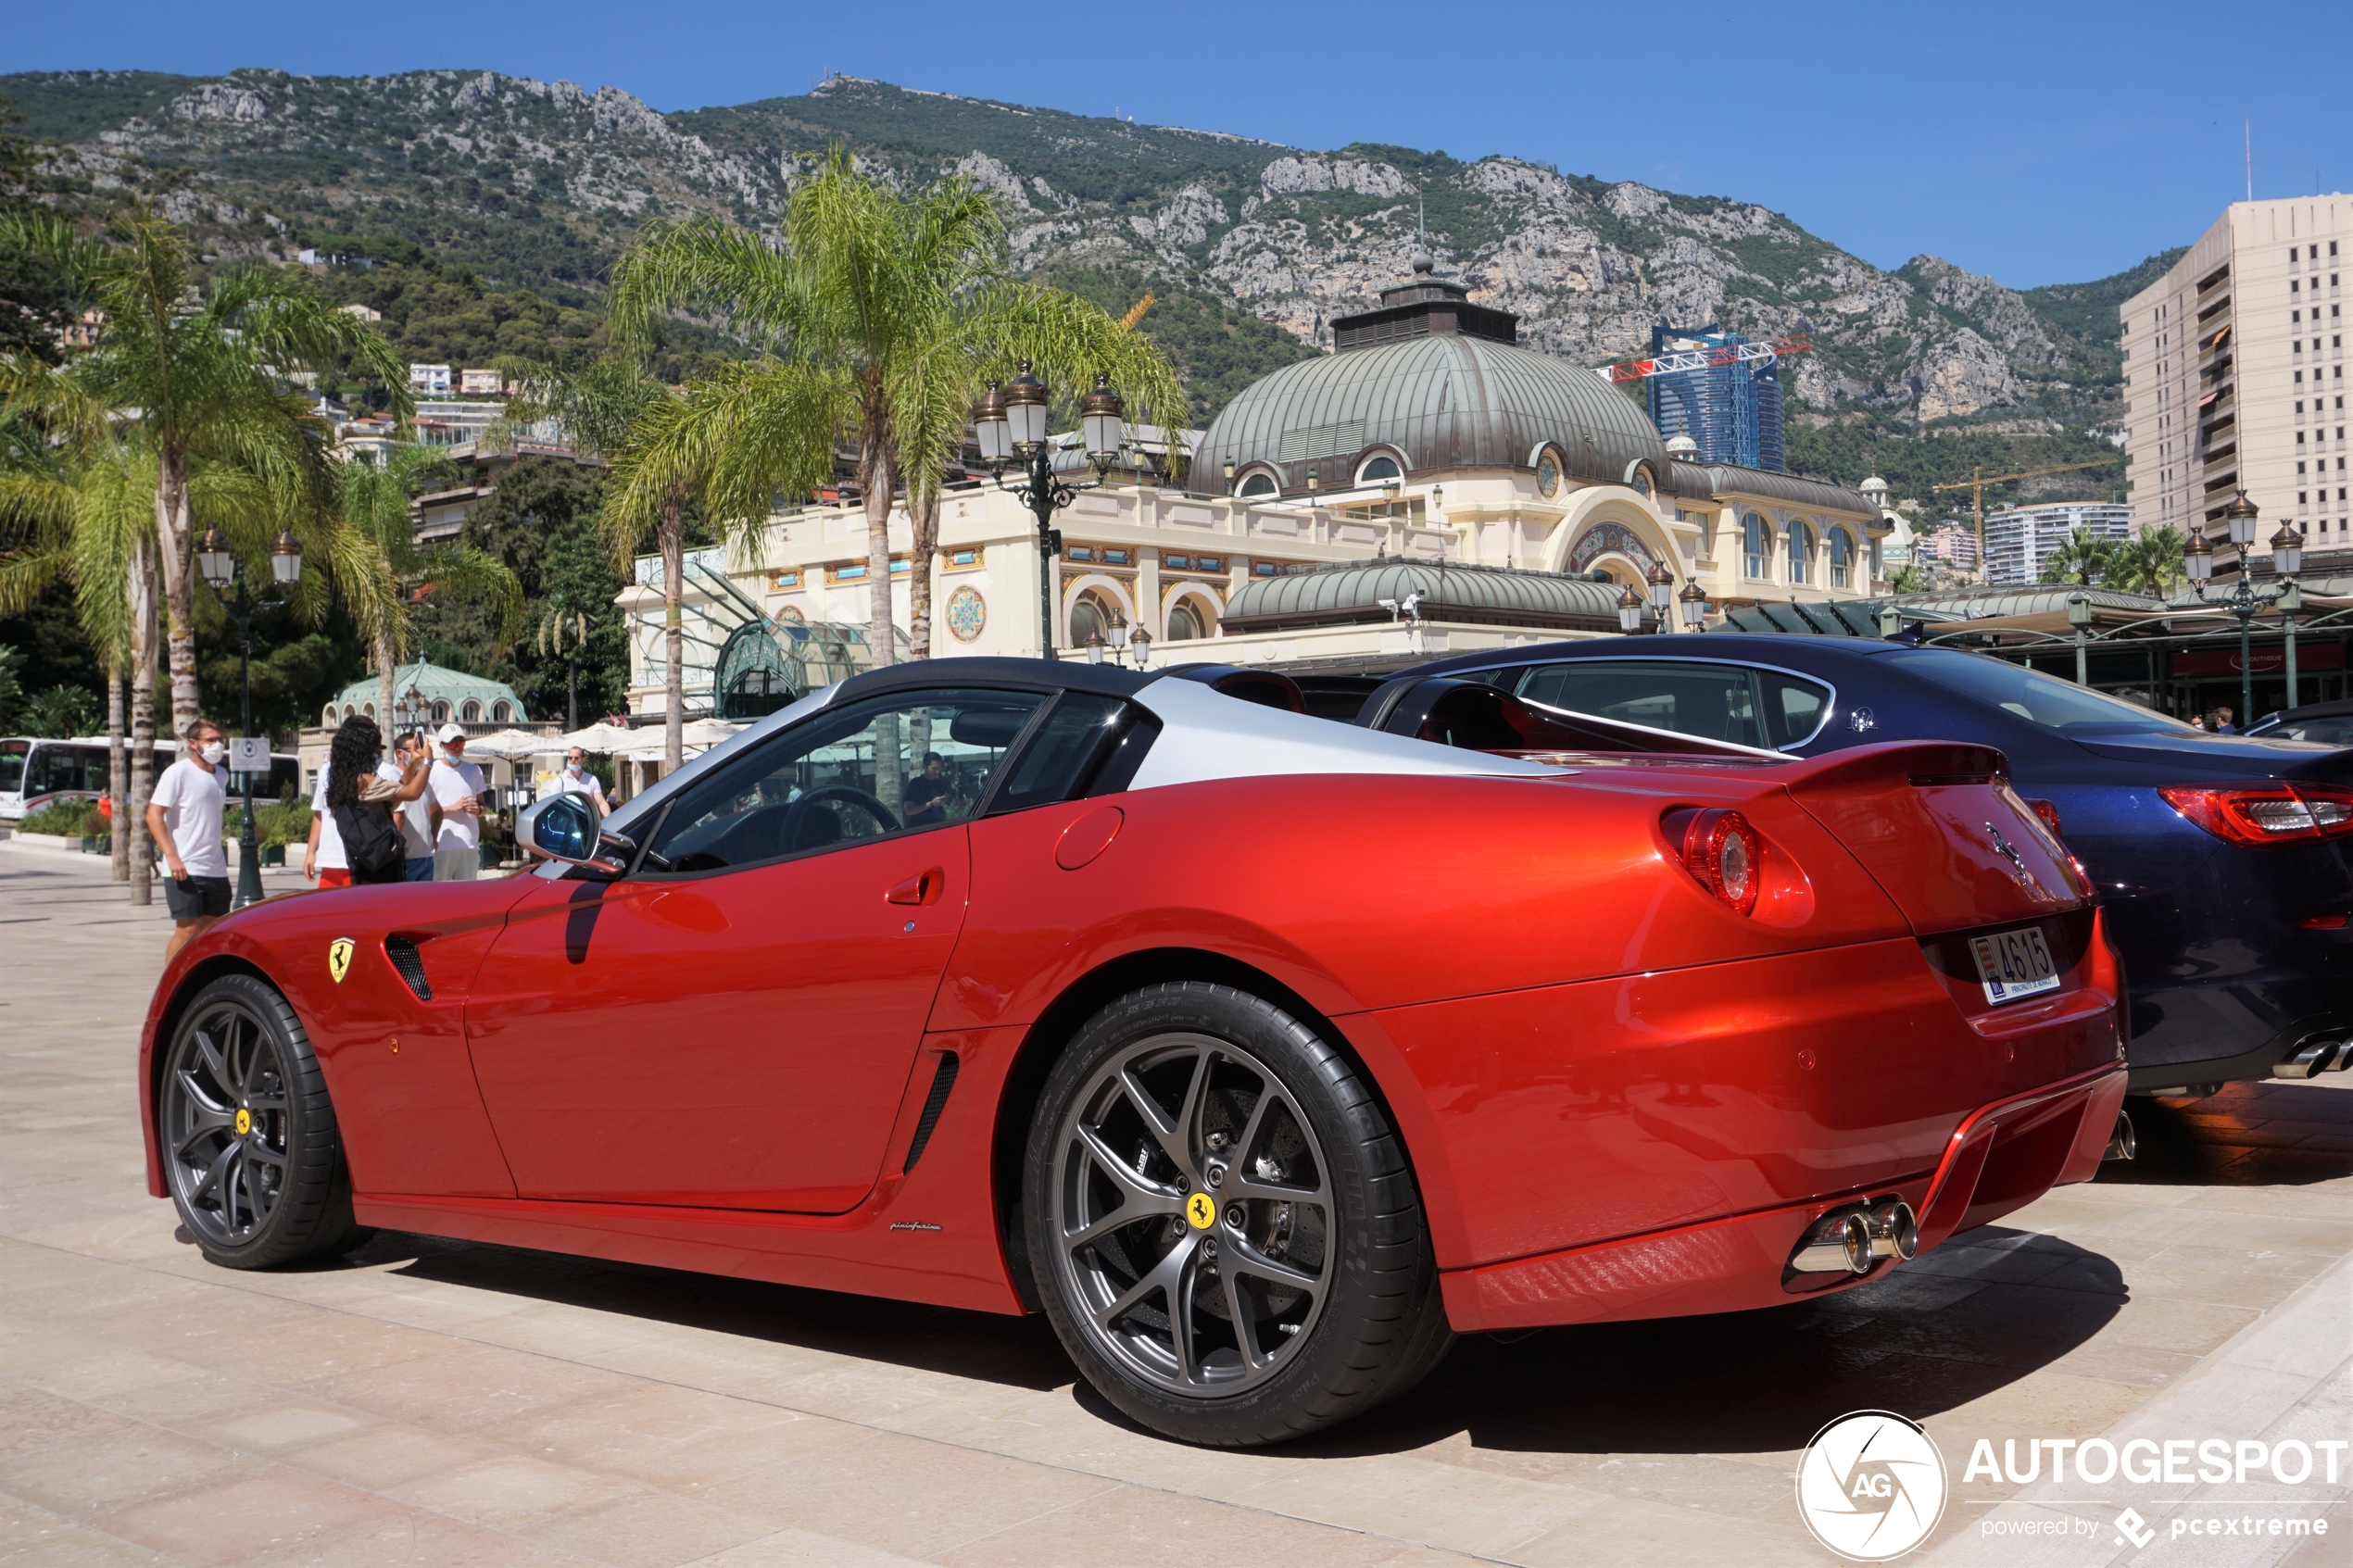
{"x": 564, "y": 829}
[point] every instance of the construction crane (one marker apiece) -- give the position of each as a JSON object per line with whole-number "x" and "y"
{"x": 1701, "y": 360}
{"x": 1976, "y": 487}
{"x": 1136, "y": 311}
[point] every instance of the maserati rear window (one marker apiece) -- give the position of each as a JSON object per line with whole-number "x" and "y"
{"x": 2038, "y": 698}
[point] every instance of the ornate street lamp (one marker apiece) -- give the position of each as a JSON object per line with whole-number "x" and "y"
{"x": 1009, "y": 424}
{"x": 224, "y": 570}
{"x": 1094, "y": 648}
{"x": 1694, "y": 601}
{"x": 2247, "y": 600}
{"x": 1139, "y": 647}
{"x": 1662, "y": 584}
{"x": 1630, "y": 611}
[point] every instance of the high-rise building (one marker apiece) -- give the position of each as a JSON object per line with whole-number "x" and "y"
{"x": 2235, "y": 378}
{"x": 2019, "y": 540}
{"x": 1948, "y": 547}
{"x": 1733, "y": 411}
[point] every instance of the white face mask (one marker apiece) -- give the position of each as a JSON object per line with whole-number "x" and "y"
{"x": 215, "y": 752}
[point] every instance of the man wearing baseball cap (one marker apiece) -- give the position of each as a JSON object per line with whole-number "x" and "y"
{"x": 458, "y": 789}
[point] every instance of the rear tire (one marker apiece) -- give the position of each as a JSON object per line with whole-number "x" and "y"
{"x": 251, "y": 1152}
{"x": 1221, "y": 1221}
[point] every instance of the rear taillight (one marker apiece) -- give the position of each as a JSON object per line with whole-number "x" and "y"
{"x": 2287, "y": 814}
{"x": 2049, "y": 813}
{"x": 1720, "y": 850}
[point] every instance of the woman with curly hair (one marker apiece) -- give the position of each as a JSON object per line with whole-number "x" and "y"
{"x": 352, "y": 814}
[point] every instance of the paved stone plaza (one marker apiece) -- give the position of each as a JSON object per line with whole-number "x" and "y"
{"x": 427, "y": 1402}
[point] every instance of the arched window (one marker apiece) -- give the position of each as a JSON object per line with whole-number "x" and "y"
{"x": 1260, "y": 484}
{"x": 329, "y": 719}
{"x": 348, "y": 711}
{"x": 1756, "y": 548}
{"x": 1378, "y": 469}
{"x": 367, "y": 709}
{"x": 441, "y": 713}
{"x": 499, "y": 712}
{"x": 1189, "y": 618}
{"x": 1090, "y": 615}
{"x": 1801, "y": 552}
{"x": 1841, "y": 560}
{"x": 471, "y": 713}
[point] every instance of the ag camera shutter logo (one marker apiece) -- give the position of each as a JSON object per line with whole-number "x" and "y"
{"x": 1871, "y": 1486}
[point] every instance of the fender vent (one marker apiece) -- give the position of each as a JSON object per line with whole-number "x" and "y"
{"x": 411, "y": 965}
{"x": 934, "y": 1103}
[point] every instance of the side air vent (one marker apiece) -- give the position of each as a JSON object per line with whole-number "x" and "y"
{"x": 934, "y": 1103}
{"x": 411, "y": 965}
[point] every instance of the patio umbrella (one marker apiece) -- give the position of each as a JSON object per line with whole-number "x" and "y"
{"x": 601, "y": 737}
{"x": 510, "y": 745}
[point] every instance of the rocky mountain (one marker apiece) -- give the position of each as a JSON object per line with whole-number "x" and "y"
{"x": 1925, "y": 370}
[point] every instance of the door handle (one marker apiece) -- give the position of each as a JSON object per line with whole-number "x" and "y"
{"x": 922, "y": 889}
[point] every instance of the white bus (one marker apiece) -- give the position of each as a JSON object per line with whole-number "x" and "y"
{"x": 37, "y": 771}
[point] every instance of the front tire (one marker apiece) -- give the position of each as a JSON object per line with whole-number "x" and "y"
{"x": 250, "y": 1149}
{"x": 1221, "y": 1223}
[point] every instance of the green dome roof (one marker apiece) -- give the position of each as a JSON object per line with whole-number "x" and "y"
{"x": 469, "y": 699}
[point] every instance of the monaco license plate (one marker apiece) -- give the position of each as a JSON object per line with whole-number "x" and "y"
{"x": 2014, "y": 964}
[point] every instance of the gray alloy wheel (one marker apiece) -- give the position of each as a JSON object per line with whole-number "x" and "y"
{"x": 1221, "y": 1223}
{"x": 1192, "y": 1215}
{"x": 249, "y": 1144}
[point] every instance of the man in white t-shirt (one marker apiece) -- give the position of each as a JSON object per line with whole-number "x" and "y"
{"x": 576, "y": 779}
{"x": 458, "y": 789}
{"x": 420, "y": 819}
{"x": 184, "y": 818}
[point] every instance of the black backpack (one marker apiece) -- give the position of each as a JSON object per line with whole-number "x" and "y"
{"x": 371, "y": 844}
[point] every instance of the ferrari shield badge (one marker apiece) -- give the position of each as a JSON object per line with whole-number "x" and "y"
{"x": 339, "y": 958}
{"x": 1201, "y": 1209}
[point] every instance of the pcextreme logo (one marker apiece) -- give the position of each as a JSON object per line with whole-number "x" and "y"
{"x": 1870, "y": 1485}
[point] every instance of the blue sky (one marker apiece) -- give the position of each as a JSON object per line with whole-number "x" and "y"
{"x": 2049, "y": 142}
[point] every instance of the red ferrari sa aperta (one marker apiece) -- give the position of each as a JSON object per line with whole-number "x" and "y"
{"x": 1263, "y": 1052}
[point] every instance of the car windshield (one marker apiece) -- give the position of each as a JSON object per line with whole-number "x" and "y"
{"x": 2038, "y": 698}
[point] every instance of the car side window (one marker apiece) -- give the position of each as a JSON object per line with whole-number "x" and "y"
{"x": 903, "y": 763}
{"x": 1714, "y": 701}
{"x": 1729, "y": 702}
{"x": 1069, "y": 743}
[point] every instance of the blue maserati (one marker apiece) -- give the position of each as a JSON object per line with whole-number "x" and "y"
{"x": 2225, "y": 863}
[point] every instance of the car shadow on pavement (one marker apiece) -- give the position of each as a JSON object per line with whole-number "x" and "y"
{"x": 1955, "y": 1325}
{"x": 1019, "y": 1351}
{"x": 2270, "y": 1133}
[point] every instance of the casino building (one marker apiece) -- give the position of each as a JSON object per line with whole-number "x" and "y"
{"x": 1430, "y": 487}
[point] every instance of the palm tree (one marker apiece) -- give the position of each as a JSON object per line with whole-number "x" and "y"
{"x": 562, "y": 634}
{"x": 2150, "y": 564}
{"x": 198, "y": 369}
{"x": 612, "y": 409}
{"x": 374, "y": 503}
{"x": 1908, "y": 579}
{"x": 878, "y": 320}
{"x": 2084, "y": 559}
{"x": 93, "y": 526}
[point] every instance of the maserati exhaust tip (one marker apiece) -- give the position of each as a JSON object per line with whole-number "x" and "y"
{"x": 1836, "y": 1244}
{"x": 2121, "y": 1143}
{"x": 1895, "y": 1232}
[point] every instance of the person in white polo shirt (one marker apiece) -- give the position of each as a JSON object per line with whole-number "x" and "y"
{"x": 576, "y": 779}
{"x": 458, "y": 787}
{"x": 184, "y": 818}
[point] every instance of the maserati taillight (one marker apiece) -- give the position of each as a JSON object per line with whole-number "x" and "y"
{"x": 2283, "y": 813}
{"x": 1720, "y": 850}
{"x": 2049, "y": 814}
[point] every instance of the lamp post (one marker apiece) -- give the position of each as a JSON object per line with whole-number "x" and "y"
{"x": 224, "y": 570}
{"x": 1629, "y": 613}
{"x": 1009, "y": 424}
{"x": 2247, "y": 600}
{"x": 1662, "y": 593}
{"x": 2078, "y": 615}
{"x": 1694, "y": 602}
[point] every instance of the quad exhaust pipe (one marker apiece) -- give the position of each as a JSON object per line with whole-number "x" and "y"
{"x": 1852, "y": 1241}
{"x": 2315, "y": 1057}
